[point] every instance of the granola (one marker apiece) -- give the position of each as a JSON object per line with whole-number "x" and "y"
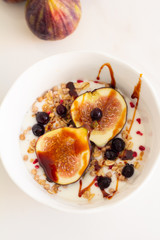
{"x": 99, "y": 165}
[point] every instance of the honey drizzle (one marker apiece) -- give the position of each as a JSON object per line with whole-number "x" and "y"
{"x": 113, "y": 81}
{"x": 136, "y": 94}
{"x": 82, "y": 191}
{"x": 107, "y": 195}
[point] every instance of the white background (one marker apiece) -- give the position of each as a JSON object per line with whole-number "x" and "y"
{"x": 127, "y": 29}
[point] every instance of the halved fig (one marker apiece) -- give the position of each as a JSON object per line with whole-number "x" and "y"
{"x": 64, "y": 154}
{"x": 114, "y": 114}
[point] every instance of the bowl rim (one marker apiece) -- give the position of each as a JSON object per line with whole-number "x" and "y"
{"x": 98, "y": 208}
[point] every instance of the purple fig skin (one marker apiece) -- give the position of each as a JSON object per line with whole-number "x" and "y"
{"x": 53, "y": 19}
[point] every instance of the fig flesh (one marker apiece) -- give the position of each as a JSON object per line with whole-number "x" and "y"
{"x": 64, "y": 154}
{"x": 53, "y": 19}
{"x": 114, "y": 114}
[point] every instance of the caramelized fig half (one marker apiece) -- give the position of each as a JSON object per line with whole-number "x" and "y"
{"x": 114, "y": 114}
{"x": 64, "y": 154}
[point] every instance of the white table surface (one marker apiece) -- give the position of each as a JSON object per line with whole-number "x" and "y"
{"x": 129, "y": 30}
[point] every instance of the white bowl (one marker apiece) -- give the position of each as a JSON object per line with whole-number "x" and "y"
{"x": 44, "y": 75}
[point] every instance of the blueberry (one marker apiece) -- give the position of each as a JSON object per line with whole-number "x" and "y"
{"x": 96, "y": 114}
{"x": 61, "y": 110}
{"x": 128, "y": 170}
{"x": 70, "y": 85}
{"x": 110, "y": 154}
{"x": 42, "y": 118}
{"x": 38, "y": 130}
{"x": 118, "y": 145}
{"x": 103, "y": 182}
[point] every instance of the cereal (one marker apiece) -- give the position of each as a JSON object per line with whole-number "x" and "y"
{"x": 29, "y": 128}
{"x": 51, "y": 192}
{"x": 137, "y": 165}
{"x": 121, "y": 178}
{"x": 25, "y": 157}
{"x": 55, "y": 188}
{"x": 22, "y": 137}
{"x": 32, "y": 145}
{"x": 109, "y": 163}
{"x": 55, "y": 88}
{"x": 34, "y": 108}
{"x": 40, "y": 99}
{"x": 109, "y": 174}
{"x": 34, "y": 171}
{"x": 88, "y": 195}
{"x": 111, "y": 190}
{"x": 36, "y": 177}
{"x": 47, "y": 186}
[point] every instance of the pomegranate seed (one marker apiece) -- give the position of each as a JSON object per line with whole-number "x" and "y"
{"x": 132, "y": 104}
{"x": 96, "y": 184}
{"x": 98, "y": 78}
{"x": 134, "y": 154}
{"x": 37, "y": 166}
{"x": 141, "y": 148}
{"x": 35, "y": 161}
{"x": 61, "y": 101}
{"x": 110, "y": 167}
{"x": 48, "y": 112}
{"x": 96, "y": 178}
{"x": 96, "y": 82}
{"x": 138, "y": 120}
{"x": 99, "y": 148}
{"x": 79, "y": 81}
{"x": 139, "y": 133}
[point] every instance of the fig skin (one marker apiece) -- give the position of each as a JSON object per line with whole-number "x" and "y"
{"x": 13, "y": 1}
{"x": 53, "y": 19}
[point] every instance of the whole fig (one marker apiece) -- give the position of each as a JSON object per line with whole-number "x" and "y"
{"x": 53, "y": 19}
{"x": 13, "y": 1}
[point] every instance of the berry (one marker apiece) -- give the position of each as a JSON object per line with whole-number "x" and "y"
{"x": 138, "y": 120}
{"x": 61, "y": 110}
{"x": 118, "y": 145}
{"x": 96, "y": 114}
{"x": 73, "y": 93}
{"x": 127, "y": 155}
{"x": 139, "y": 133}
{"x": 42, "y": 118}
{"x": 134, "y": 154}
{"x": 132, "y": 105}
{"x": 103, "y": 182}
{"x": 141, "y": 148}
{"x": 35, "y": 161}
{"x": 70, "y": 85}
{"x": 38, "y": 130}
{"x": 128, "y": 170}
{"x": 110, "y": 154}
{"x": 79, "y": 81}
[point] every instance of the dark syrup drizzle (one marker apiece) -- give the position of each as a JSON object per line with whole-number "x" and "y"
{"x": 82, "y": 191}
{"x": 135, "y": 94}
{"x": 113, "y": 81}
